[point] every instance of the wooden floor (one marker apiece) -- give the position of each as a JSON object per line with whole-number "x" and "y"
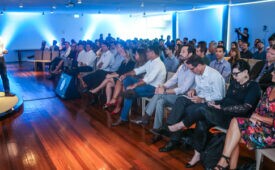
{"x": 50, "y": 133}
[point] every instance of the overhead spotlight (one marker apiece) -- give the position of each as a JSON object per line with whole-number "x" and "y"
{"x": 79, "y": 1}
{"x": 21, "y": 5}
{"x": 53, "y": 7}
{"x": 1, "y": 13}
{"x": 142, "y": 4}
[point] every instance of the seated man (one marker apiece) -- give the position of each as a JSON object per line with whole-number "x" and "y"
{"x": 166, "y": 95}
{"x": 245, "y": 53}
{"x": 171, "y": 62}
{"x": 260, "y": 53}
{"x": 92, "y": 80}
{"x": 155, "y": 73}
{"x": 221, "y": 65}
{"x": 209, "y": 86}
{"x": 261, "y": 72}
{"x": 201, "y": 51}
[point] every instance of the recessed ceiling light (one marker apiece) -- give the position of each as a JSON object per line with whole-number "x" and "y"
{"x": 79, "y": 1}
{"x": 53, "y": 7}
{"x": 21, "y": 5}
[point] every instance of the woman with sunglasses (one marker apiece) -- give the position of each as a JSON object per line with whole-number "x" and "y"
{"x": 241, "y": 100}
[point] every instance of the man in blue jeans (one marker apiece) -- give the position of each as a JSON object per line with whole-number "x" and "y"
{"x": 155, "y": 73}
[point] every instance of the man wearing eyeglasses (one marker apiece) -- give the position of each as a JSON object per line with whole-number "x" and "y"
{"x": 209, "y": 86}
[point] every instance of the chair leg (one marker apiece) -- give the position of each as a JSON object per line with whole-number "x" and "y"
{"x": 143, "y": 106}
{"x": 259, "y": 159}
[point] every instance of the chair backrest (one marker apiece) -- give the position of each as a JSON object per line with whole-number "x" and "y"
{"x": 169, "y": 75}
{"x": 226, "y": 58}
{"x": 251, "y": 62}
{"x": 38, "y": 55}
{"x": 55, "y": 54}
{"x": 46, "y": 55}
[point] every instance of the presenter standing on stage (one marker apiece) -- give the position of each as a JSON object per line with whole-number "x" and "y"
{"x": 3, "y": 69}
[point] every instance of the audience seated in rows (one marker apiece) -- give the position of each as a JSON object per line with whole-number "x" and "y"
{"x": 155, "y": 73}
{"x": 166, "y": 95}
{"x": 116, "y": 100}
{"x": 110, "y": 79}
{"x": 209, "y": 86}
{"x": 240, "y": 101}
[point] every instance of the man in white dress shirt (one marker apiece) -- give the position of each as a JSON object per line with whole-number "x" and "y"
{"x": 155, "y": 73}
{"x": 209, "y": 86}
{"x": 3, "y": 69}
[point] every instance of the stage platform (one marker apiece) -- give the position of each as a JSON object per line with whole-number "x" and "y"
{"x": 9, "y": 105}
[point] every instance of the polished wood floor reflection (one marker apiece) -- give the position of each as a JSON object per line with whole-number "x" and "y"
{"x": 50, "y": 133}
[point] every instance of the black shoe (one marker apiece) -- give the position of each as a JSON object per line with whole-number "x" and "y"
{"x": 119, "y": 122}
{"x": 94, "y": 99}
{"x": 169, "y": 147}
{"x": 8, "y": 94}
{"x": 188, "y": 165}
{"x": 145, "y": 119}
{"x": 156, "y": 138}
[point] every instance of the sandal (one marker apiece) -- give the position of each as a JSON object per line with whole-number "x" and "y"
{"x": 219, "y": 167}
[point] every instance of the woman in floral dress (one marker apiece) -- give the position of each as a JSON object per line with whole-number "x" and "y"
{"x": 256, "y": 132}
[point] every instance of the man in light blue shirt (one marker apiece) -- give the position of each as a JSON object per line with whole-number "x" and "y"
{"x": 171, "y": 62}
{"x": 221, "y": 65}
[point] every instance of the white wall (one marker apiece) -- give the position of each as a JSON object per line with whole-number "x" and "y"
{"x": 27, "y": 30}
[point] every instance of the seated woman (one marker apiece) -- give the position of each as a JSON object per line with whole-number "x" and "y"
{"x": 257, "y": 132}
{"x": 241, "y": 100}
{"x": 110, "y": 80}
{"x": 234, "y": 55}
{"x": 140, "y": 57}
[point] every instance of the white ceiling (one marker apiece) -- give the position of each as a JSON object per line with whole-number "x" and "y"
{"x": 108, "y": 6}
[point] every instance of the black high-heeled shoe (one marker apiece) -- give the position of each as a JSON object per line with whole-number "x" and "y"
{"x": 219, "y": 167}
{"x": 188, "y": 165}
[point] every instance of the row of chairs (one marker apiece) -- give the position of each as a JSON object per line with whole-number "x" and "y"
{"x": 43, "y": 57}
